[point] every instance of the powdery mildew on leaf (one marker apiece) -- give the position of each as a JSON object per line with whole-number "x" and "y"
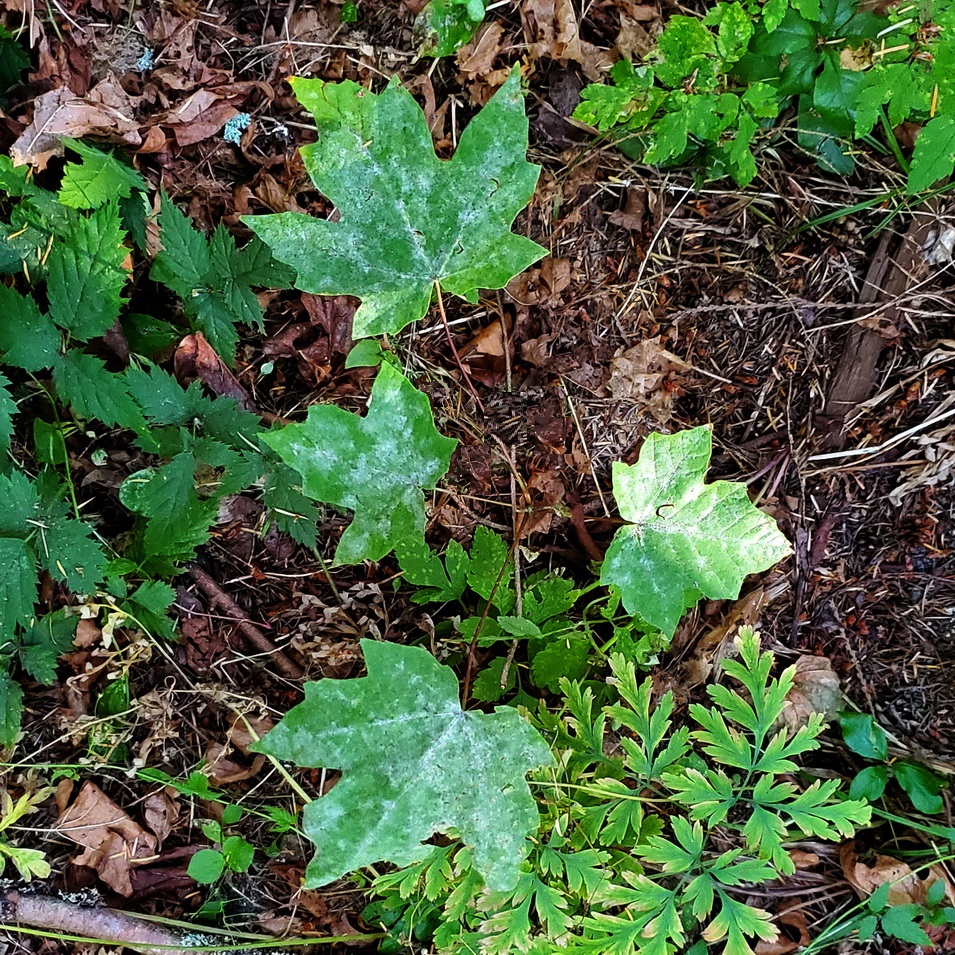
{"x": 408, "y": 219}
{"x": 686, "y": 539}
{"x": 375, "y": 466}
{"x": 413, "y": 763}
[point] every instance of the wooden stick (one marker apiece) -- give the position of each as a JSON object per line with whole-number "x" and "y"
{"x": 253, "y": 635}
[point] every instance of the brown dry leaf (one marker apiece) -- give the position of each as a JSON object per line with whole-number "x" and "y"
{"x": 547, "y": 491}
{"x": 635, "y": 39}
{"x": 905, "y": 885}
{"x": 815, "y": 689}
{"x": 555, "y": 33}
{"x": 856, "y": 60}
{"x": 114, "y": 843}
{"x": 643, "y": 373}
{"x": 196, "y": 358}
{"x": 485, "y": 354}
{"x": 105, "y": 111}
{"x": 475, "y": 60}
{"x": 793, "y": 933}
{"x": 160, "y": 811}
{"x": 713, "y": 645}
{"x": 202, "y": 115}
{"x": 631, "y": 216}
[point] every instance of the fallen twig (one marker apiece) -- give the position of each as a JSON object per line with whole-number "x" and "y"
{"x": 256, "y": 639}
{"x": 72, "y": 917}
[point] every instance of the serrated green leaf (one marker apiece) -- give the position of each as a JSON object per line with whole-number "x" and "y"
{"x": 149, "y": 604}
{"x": 29, "y": 863}
{"x": 413, "y": 763}
{"x": 490, "y": 571}
{"x": 85, "y": 273}
{"x": 735, "y": 30}
{"x": 902, "y": 922}
{"x": 66, "y": 550}
{"x": 99, "y": 178}
{"x": 83, "y": 382}
{"x": 735, "y": 921}
{"x": 685, "y": 538}
{"x": 8, "y": 408}
{"x": 293, "y": 512}
{"x": 709, "y": 796}
{"x": 183, "y": 263}
{"x": 408, "y": 220}
{"x": 19, "y": 505}
{"x": 375, "y": 466}
{"x": 445, "y": 580}
{"x": 28, "y": 338}
{"x": 43, "y": 642}
{"x": 548, "y": 596}
{"x": 687, "y": 48}
{"x": 214, "y": 278}
{"x": 487, "y": 685}
{"x": 934, "y": 154}
{"x": 177, "y": 521}
{"x": 18, "y": 586}
{"x": 562, "y": 658}
{"x": 11, "y": 696}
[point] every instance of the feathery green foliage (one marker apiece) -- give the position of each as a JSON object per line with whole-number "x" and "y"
{"x": 636, "y": 851}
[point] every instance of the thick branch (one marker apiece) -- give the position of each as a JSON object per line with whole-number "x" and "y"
{"x": 65, "y": 917}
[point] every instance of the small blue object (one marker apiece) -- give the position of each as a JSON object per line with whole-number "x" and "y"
{"x": 233, "y": 129}
{"x": 145, "y": 62}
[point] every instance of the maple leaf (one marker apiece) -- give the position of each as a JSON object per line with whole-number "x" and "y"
{"x": 685, "y": 538}
{"x": 375, "y": 466}
{"x": 413, "y": 763}
{"x": 409, "y": 221}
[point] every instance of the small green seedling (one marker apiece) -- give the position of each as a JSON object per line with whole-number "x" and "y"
{"x": 905, "y": 922}
{"x": 866, "y": 738}
{"x": 234, "y": 854}
{"x": 27, "y": 862}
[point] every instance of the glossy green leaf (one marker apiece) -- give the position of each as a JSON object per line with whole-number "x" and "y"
{"x": 869, "y": 784}
{"x": 413, "y": 763}
{"x": 864, "y": 736}
{"x": 375, "y": 466}
{"x": 684, "y": 538}
{"x": 408, "y": 220}
{"x": 206, "y": 866}
{"x": 921, "y": 785}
